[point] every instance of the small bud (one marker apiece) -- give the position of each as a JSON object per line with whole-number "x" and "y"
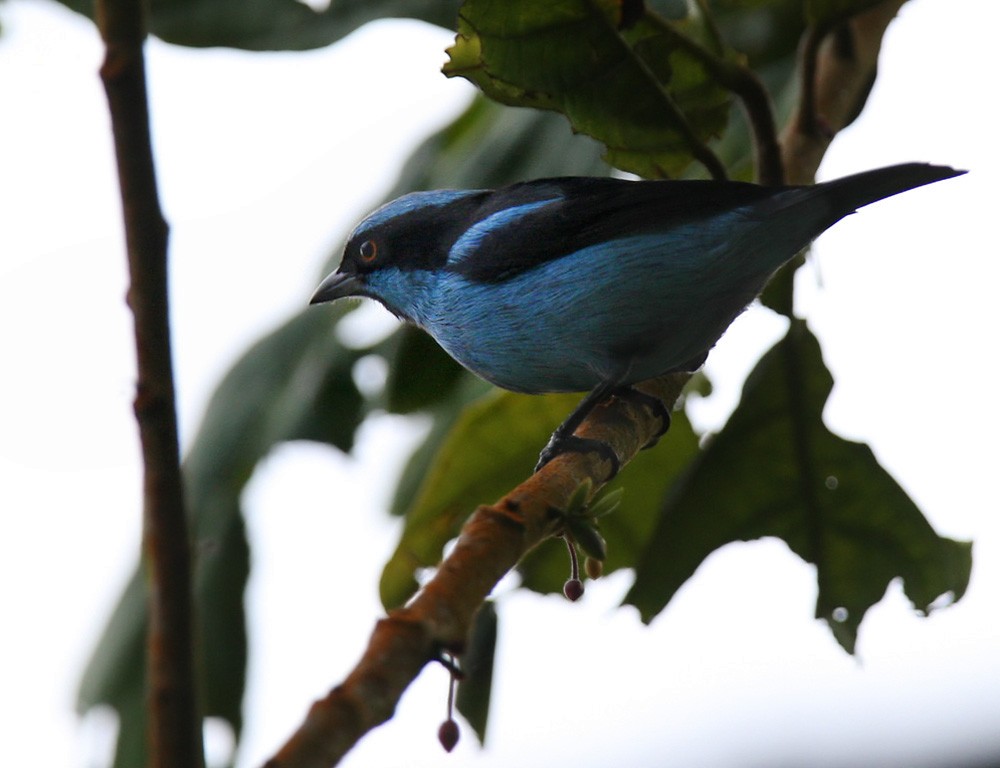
{"x": 448, "y": 734}
{"x": 593, "y": 567}
{"x": 573, "y": 589}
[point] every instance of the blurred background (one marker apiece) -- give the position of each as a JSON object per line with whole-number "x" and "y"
{"x": 264, "y": 162}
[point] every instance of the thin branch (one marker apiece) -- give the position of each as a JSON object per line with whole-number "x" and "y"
{"x": 743, "y": 82}
{"x": 770, "y": 169}
{"x": 175, "y": 727}
{"x": 808, "y": 121}
{"x": 440, "y": 617}
{"x": 837, "y": 66}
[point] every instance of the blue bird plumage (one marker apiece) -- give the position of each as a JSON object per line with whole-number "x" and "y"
{"x": 575, "y": 284}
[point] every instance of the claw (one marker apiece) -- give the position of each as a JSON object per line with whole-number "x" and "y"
{"x": 572, "y": 444}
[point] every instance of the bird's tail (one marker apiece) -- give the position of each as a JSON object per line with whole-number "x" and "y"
{"x": 808, "y": 211}
{"x": 848, "y": 194}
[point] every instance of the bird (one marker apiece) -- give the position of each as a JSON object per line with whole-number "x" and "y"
{"x": 593, "y": 284}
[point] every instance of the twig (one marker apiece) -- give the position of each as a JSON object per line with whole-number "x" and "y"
{"x": 175, "y": 727}
{"x": 439, "y": 618}
{"x": 742, "y": 81}
{"x": 836, "y": 72}
{"x": 837, "y": 67}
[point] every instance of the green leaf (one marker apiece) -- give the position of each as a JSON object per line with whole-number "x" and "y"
{"x": 294, "y": 384}
{"x": 275, "y": 25}
{"x": 444, "y": 413}
{"x": 474, "y": 689}
{"x": 640, "y": 91}
{"x": 586, "y": 534}
{"x": 420, "y": 372}
{"x": 764, "y": 31}
{"x": 115, "y": 670}
{"x": 491, "y": 145}
{"x": 492, "y": 447}
{"x": 606, "y": 503}
{"x": 788, "y": 476}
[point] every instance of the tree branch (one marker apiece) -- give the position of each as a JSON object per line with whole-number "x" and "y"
{"x": 837, "y": 69}
{"x": 175, "y": 732}
{"x": 440, "y": 616}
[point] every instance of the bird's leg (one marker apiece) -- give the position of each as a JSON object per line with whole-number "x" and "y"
{"x": 564, "y": 440}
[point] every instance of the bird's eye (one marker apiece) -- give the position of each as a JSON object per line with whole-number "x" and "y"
{"x": 368, "y": 250}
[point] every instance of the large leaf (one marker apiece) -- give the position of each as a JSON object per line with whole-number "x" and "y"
{"x": 274, "y": 25}
{"x": 492, "y": 447}
{"x": 633, "y": 84}
{"x": 271, "y": 395}
{"x": 788, "y": 476}
{"x": 420, "y": 372}
{"x": 476, "y": 685}
{"x": 489, "y": 450}
{"x": 490, "y": 145}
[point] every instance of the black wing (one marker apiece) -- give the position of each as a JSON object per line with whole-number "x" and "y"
{"x": 590, "y": 211}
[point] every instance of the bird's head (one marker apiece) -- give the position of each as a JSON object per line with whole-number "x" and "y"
{"x": 391, "y": 252}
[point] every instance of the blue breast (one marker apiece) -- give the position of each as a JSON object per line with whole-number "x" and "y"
{"x": 626, "y": 310}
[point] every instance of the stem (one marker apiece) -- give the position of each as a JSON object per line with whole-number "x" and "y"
{"x": 574, "y": 560}
{"x": 452, "y": 683}
{"x": 837, "y": 65}
{"x": 174, "y": 731}
{"x": 741, "y": 81}
{"x": 807, "y": 118}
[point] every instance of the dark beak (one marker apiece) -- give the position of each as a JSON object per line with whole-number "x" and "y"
{"x": 337, "y": 286}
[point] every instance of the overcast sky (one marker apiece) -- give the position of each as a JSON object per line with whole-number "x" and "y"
{"x": 264, "y": 161}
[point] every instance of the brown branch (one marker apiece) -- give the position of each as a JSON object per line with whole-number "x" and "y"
{"x": 175, "y": 726}
{"x": 837, "y": 68}
{"x": 439, "y": 618}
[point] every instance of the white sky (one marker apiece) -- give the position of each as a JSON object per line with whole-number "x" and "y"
{"x": 264, "y": 160}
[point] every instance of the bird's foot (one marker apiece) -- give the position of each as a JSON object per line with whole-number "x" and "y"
{"x": 653, "y": 404}
{"x": 559, "y": 444}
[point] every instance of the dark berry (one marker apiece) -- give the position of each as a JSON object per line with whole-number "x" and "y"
{"x": 448, "y": 734}
{"x": 573, "y": 589}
